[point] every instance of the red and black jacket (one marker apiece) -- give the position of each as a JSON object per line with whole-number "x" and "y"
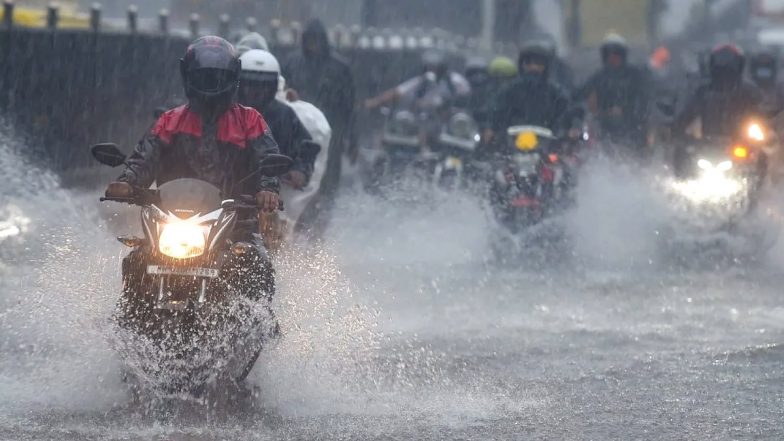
{"x": 182, "y": 145}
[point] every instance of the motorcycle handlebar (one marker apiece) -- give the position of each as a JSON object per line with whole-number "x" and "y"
{"x": 254, "y": 206}
{"x": 143, "y": 196}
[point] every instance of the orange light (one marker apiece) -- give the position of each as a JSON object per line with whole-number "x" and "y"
{"x": 740, "y": 152}
{"x": 553, "y": 157}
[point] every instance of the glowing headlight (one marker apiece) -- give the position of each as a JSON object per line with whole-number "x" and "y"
{"x": 704, "y": 164}
{"x": 182, "y": 240}
{"x": 724, "y": 166}
{"x": 712, "y": 186}
{"x": 755, "y": 132}
{"x": 707, "y": 166}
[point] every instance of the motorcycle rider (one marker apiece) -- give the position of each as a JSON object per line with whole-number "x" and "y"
{"x": 764, "y": 72}
{"x": 532, "y": 98}
{"x": 259, "y": 83}
{"x": 721, "y": 105}
{"x": 560, "y": 72}
{"x": 317, "y": 75}
{"x": 500, "y": 72}
{"x": 252, "y": 40}
{"x": 210, "y": 138}
{"x": 436, "y": 87}
{"x": 427, "y": 94}
{"x": 477, "y": 74}
{"x": 617, "y": 95}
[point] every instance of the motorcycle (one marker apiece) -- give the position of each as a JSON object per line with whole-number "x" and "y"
{"x": 402, "y": 152}
{"x": 456, "y": 146}
{"x": 530, "y": 182}
{"x": 196, "y": 291}
{"x": 434, "y": 149}
{"x": 718, "y": 187}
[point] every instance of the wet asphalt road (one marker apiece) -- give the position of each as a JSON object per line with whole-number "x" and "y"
{"x": 399, "y": 327}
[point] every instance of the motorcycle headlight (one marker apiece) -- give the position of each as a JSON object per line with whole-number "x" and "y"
{"x": 724, "y": 166}
{"x": 755, "y": 132}
{"x": 704, "y": 164}
{"x": 182, "y": 240}
{"x": 463, "y": 126}
{"x": 711, "y": 187}
{"x": 404, "y": 123}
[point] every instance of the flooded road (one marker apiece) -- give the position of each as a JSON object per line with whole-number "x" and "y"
{"x": 400, "y": 326}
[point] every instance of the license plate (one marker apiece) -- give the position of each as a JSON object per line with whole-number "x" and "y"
{"x": 188, "y": 272}
{"x": 453, "y": 163}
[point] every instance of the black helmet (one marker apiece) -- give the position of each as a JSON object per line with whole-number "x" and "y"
{"x": 726, "y": 63}
{"x": 476, "y": 71}
{"x": 210, "y": 72}
{"x": 614, "y": 44}
{"x": 538, "y": 51}
{"x": 764, "y": 67}
{"x": 435, "y": 61}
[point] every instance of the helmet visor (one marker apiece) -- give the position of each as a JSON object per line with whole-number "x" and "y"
{"x": 257, "y": 93}
{"x": 211, "y": 81}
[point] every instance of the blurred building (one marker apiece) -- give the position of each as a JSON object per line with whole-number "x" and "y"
{"x": 462, "y": 17}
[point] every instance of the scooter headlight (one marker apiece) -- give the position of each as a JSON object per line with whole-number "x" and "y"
{"x": 182, "y": 240}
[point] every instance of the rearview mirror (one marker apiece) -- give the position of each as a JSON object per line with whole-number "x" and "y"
{"x": 275, "y": 165}
{"x": 108, "y": 153}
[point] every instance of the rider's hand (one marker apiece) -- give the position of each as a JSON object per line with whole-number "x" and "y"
{"x": 267, "y": 201}
{"x": 295, "y": 178}
{"x": 119, "y": 190}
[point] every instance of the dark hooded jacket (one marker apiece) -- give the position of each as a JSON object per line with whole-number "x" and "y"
{"x": 625, "y": 88}
{"x": 530, "y": 100}
{"x": 562, "y": 74}
{"x": 721, "y": 110}
{"x": 182, "y": 145}
{"x": 324, "y": 79}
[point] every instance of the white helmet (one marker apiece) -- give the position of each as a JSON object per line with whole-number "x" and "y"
{"x": 251, "y": 41}
{"x": 259, "y": 64}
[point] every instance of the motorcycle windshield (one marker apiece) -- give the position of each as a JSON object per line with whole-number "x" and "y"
{"x": 188, "y": 197}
